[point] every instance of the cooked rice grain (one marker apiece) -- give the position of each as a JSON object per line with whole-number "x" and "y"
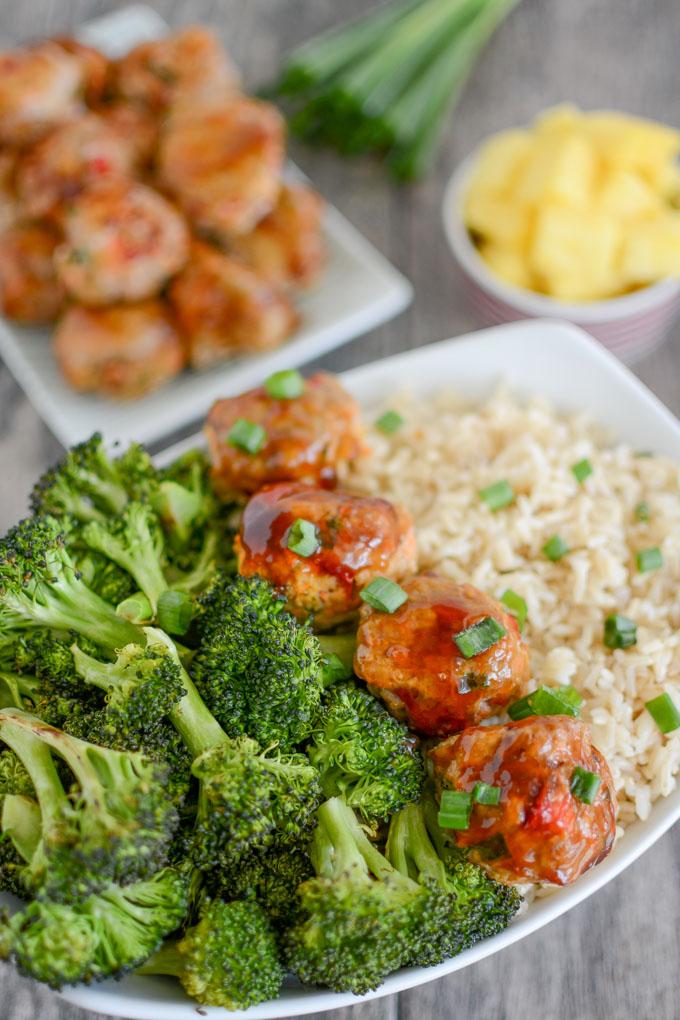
{"x": 436, "y": 464}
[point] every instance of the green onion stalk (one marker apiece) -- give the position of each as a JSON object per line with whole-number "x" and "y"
{"x": 385, "y": 83}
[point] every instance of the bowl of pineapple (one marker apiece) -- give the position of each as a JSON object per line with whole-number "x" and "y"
{"x": 574, "y": 217}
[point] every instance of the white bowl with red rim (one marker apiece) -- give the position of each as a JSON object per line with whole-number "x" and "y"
{"x": 630, "y": 326}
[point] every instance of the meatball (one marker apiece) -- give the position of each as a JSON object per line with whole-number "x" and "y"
{"x": 184, "y": 67}
{"x": 287, "y": 247}
{"x": 123, "y": 243}
{"x": 410, "y": 658}
{"x": 222, "y": 161}
{"x": 9, "y": 206}
{"x": 29, "y": 290}
{"x": 224, "y": 308}
{"x": 136, "y": 126}
{"x": 307, "y": 438}
{"x": 95, "y": 67}
{"x": 122, "y": 352}
{"x": 539, "y": 831}
{"x": 359, "y": 538}
{"x": 39, "y": 88}
{"x": 73, "y": 155}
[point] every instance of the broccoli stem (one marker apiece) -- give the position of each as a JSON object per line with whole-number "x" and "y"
{"x": 37, "y": 760}
{"x": 340, "y": 844}
{"x": 69, "y": 605}
{"x": 20, "y": 686}
{"x": 410, "y": 849}
{"x": 342, "y": 645}
{"x": 166, "y": 960}
{"x": 22, "y": 823}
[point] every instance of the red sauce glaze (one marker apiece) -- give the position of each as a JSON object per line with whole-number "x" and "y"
{"x": 306, "y": 437}
{"x": 539, "y": 831}
{"x": 412, "y": 655}
{"x": 359, "y": 538}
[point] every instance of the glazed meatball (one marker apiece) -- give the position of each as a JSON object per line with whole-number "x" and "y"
{"x": 287, "y": 247}
{"x": 539, "y": 831}
{"x": 123, "y": 243}
{"x": 359, "y": 538}
{"x": 224, "y": 308}
{"x": 9, "y": 205}
{"x": 73, "y": 156}
{"x": 122, "y": 352}
{"x": 136, "y": 126}
{"x": 410, "y": 658}
{"x": 39, "y": 88}
{"x": 184, "y": 67}
{"x": 95, "y": 67}
{"x": 29, "y": 290}
{"x": 307, "y": 438}
{"x": 223, "y": 164}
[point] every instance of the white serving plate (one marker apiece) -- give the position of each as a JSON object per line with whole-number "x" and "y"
{"x": 359, "y": 290}
{"x": 564, "y": 364}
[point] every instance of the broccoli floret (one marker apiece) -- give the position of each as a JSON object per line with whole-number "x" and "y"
{"x": 365, "y": 755}
{"x": 184, "y": 499}
{"x": 258, "y": 670}
{"x": 272, "y": 876}
{"x": 478, "y": 905}
{"x": 362, "y": 918}
{"x": 229, "y": 958}
{"x": 13, "y": 776}
{"x": 106, "y": 934}
{"x": 21, "y": 828}
{"x": 115, "y": 826}
{"x": 106, "y": 578}
{"x": 40, "y": 587}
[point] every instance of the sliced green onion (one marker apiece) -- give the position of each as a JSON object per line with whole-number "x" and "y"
{"x": 664, "y": 713}
{"x": 555, "y": 548}
{"x": 455, "y": 809}
{"x": 584, "y": 785}
{"x": 649, "y": 559}
{"x": 498, "y": 495}
{"x": 303, "y": 538}
{"x": 334, "y": 669}
{"x": 564, "y": 700}
{"x": 581, "y": 469}
{"x": 517, "y": 606}
{"x": 247, "y": 435}
{"x": 619, "y": 631}
{"x": 482, "y": 793}
{"x": 384, "y": 595}
{"x": 285, "y": 385}
{"x": 175, "y": 612}
{"x": 641, "y": 511}
{"x": 389, "y": 422}
{"x": 481, "y": 635}
{"x": 135, "y": 608}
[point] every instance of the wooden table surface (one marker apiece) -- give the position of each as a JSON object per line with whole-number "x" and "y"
{"x": 617, "y": 954}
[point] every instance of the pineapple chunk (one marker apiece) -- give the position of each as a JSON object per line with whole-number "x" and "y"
{"x": 501, "y": 160}
{"x": 508, "y": 263}
{"x": 558, "y": 119}
{"x": 627, "y": 195}
{"x": 496, "y": 218}
{"x": 574, "y": 252}
{"x": 641, "y": 145}
{"x": 652, "y": 250}
{"x": 561, "y": 168}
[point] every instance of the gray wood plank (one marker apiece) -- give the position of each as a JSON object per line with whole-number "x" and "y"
{"x": 617, "y": 953}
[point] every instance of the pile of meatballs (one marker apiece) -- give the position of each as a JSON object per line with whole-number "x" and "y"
{"x": 539, "y": 830}
{"x": 142, "y": 209}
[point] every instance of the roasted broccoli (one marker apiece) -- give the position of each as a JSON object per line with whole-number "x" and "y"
{"x": 229, "y": 958}
{"x": 362, "y": 918}
{"x": 365, "y": 755}
{"x": 184, "y": 499}
{"x": 114, "y": 827}
{"x": 106, "y": 934}
{"x": 272, "y": 876}
{"x": 40, "y": 587}
{"x": 478, "y": 906}
{"x": 105, "y": 577}
{"x": 258, "y": 670}
{"x": 21, "y": 828}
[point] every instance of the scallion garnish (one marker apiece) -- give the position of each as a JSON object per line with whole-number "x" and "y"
{"x": 619, "y": 631}
{"x": 641, "y": 511}
{"x": 303, "y": 538}
{"x": 584, "y": 785}
{"x": 389, "y": 422}
{"x": 564, "y": 700}
{"x": 247, "y": 435}
{"x": 517, "y": 606}
{"x": 285, "y": 385}
{"x": 384, "y": 595}
{"x": 581, "y": 469}
{"x": 649, "y": 559}
{"x": 555, "y": 548}
{"x": 175, "y": 612}
{"x": 481, "y": 635}
{"x": 498, "y": 495}
{"x": 664, "y": 712}
{"x": 455, "y": 809}
{"x": 482, "y": 793}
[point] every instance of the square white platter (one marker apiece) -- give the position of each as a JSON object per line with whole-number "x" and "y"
{"x": 359, "y": 290}
{"x": 565, "y": 365}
